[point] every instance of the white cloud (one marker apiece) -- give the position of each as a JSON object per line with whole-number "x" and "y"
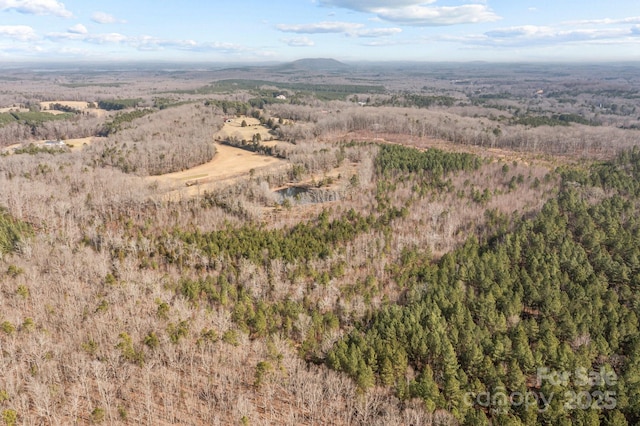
{"x": 532, "y": 35}
{"x": 17, "y": 32}
{"x": 386, "y": 42}
{"x": 152, "y": 43}
{"x": 78, "y": 29}
{"x": 378, "y": 32}
{"x": 105, "y": 18}
{"x": 420, "y": 13}
{"x": 583, "y": 33}
{"x": 320, "y": 27}
{"x": 373, "y": 5}
{"x": 348, "y": 28}
{"x": 423, "y": 16}
{"x": 29, "y": 49}
{"x": 605, "y": 21}
{"x": 147, "y": 43}
{"x": 528, "y": 31}
{"x": 298, "y": 42}
{"x": 36, "y": 7}
{"x": 223, "y": 47}
{"x": 89, "y": 38}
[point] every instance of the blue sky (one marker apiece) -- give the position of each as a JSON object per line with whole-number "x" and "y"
{"x": 347, "y": 30}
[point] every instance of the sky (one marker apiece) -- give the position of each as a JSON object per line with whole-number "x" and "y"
{"x": 348, "y": 30}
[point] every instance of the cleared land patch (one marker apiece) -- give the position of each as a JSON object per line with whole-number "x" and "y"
{"x": 13, "y": 109}
{"x": 233, "y": 128}
{"x": 77, "y": 144}
{"x": 229, "y": 162}
{"x": 80, "y": 105}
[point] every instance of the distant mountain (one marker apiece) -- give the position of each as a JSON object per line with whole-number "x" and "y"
{"x": 315, "y": 64}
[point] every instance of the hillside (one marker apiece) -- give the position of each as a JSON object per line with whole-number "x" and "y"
{"x": 348, "y": 253}
{"x": 314, "y": 64}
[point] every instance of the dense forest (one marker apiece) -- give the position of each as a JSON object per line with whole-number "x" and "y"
{"x": 368, "y": 255}
{"x": 557, "y": 291}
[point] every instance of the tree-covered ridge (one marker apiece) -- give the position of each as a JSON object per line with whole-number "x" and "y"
{"x": 331, "y": 90}
{"x": 436, "y": 163}
{"x": 622, "y": 174}
{"x": 305, "y": 241}
{"x": 12, "y": 231}
{"x": 319, "y": 238}
{"x": 149, "y": 142}
{"x": 31, "y": 118}
{"x": 118, "y": 104}
{"x": 553, "y": 120}
{"x": 419, "y": 101}
{"x": 121, "y": 118}
{"x": 558, "y": 292}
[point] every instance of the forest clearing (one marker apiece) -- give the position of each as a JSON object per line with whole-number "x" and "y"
{"x": 229, "y": 162}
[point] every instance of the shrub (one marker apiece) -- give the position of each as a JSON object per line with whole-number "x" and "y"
{"x": 151, "y": 340}
{"x": 262, "y": 368}
{"x": 8, "y": 328}
{"x": 231, "y": 337}
{"x": 10, "y": 417}
{"x": 178, "y": 331}
{"x": 22, "y": 291}
{"x": 97, "y": 415}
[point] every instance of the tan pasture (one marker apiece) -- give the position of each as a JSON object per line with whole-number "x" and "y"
{"x": 233, "y": 129}
{"x": 79, "y": 143}
{"x": 81, "y": 105}
{"x": 13, "y": 109}
{"x": 229, "y": 162}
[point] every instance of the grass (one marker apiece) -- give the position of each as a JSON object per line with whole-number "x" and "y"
{"x": 201, "y": 175}
{"x": 6, "y": 118}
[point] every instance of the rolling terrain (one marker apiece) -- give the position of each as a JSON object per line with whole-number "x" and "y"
{"x": 321, "y": 243}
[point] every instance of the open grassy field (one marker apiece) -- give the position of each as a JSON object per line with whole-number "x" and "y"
{"x": 77, "y": 144}
{"x": 13, "y": 109}
{"x": 229, "y": 165}
{"x": 233, "y": 129}
{"x": 229, "y": 162}
{"x": 81, "y": 105}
